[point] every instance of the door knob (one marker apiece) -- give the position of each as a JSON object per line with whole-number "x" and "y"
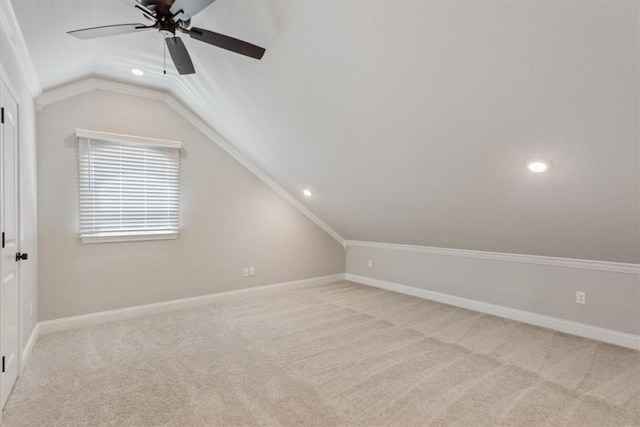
{"x": 20, "y": 256}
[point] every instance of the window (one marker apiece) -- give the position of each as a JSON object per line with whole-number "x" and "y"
{"x": 129, "y": 187}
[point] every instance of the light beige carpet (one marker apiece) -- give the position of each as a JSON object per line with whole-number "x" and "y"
{"x": 340, "y": 354}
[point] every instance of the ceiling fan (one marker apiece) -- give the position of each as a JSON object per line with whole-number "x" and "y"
{"x": 169, "y": 16}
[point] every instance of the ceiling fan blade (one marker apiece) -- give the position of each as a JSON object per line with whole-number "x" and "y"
{"x": 145, "y": 5}
{"x": 148, "y": 13}
{"x": 226, "y": 42}
{"x": 153, "y": 7}
{"x": 180, "y": 55}
{"x": 106, "y": 31}
{"x": 188, "y": 8}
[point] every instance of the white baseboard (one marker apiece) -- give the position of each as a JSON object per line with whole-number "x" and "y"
{"x": 166, "y": 306}
{"x": 574, "y": 328}
{"x": 26, "y": 352}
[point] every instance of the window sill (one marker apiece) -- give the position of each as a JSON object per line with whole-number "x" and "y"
{"x": 128, "y": 237}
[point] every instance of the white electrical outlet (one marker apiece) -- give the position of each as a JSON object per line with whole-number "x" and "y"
{"x": 251, "y": 271}
{"x": 245, "y": 271}
{"x": 370, "y": 263}
{"x": 30, "y": 309}
{"x": 581, "y": 297}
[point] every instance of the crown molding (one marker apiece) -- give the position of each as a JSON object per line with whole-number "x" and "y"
{"x": 10, "y": 30}
{"x": 584, "y": 264}
{"x": 94, "y": 83}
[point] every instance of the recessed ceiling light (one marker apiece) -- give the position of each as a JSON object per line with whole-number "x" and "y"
{"x": 307, "y": 193}
{"x": 538, "y": 166}
{"x": 137, "y": 71}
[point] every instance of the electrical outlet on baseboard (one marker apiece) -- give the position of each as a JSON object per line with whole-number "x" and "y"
{"x": 581, "y": 297}
{"x": 370, "y": 263}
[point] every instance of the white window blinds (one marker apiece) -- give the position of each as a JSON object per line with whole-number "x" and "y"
{"x": 129, "y": 187}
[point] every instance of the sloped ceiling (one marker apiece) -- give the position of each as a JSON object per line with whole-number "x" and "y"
{"x": 410, "y": 121}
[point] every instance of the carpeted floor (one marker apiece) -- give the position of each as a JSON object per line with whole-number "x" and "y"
{"x": 340, "y": 354}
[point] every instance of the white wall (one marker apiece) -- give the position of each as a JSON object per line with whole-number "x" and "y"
{"x": 613, "y": 298}
{"x": 229, "y": 219}
{"x": 14, "y": 72}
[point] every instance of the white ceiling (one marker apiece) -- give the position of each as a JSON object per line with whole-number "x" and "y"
{"x": 410, "y": 121}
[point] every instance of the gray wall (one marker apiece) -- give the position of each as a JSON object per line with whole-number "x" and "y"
{"x": 28, "y": 200}
{"x": 613, "y": 299}
{"x": 229, "y": 219}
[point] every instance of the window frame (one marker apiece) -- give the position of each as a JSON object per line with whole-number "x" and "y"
{"x": 127, "y": 236}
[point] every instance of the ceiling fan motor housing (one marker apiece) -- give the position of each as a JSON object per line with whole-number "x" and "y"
{"x": 166, "y": 26}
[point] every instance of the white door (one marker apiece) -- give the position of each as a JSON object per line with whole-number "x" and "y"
{"x": 9, "y": 229}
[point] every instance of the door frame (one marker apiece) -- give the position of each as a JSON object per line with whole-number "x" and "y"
{"x": 4, "y": 77}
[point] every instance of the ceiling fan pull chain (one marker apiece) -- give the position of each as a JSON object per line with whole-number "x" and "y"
{"x": 164, "y": 59}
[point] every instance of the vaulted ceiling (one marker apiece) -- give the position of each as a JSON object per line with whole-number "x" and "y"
{"x": 411, "y": 122}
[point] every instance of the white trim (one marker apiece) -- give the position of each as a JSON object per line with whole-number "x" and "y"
{"x": 26, "y": 353}
{"x": 4, "y": 76}
{"x": 614, "y": 267}
{"x": 93, "y": 83}
{"x": 129, "y": 237}
{"x": 574, "y": 328}
{"x": 226, "y": 146}
{"x": 10, "y": 28}
{"x": 127, "y": 139}
{"x": 166, "y": 306}
{"x": 17, "y": 274}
